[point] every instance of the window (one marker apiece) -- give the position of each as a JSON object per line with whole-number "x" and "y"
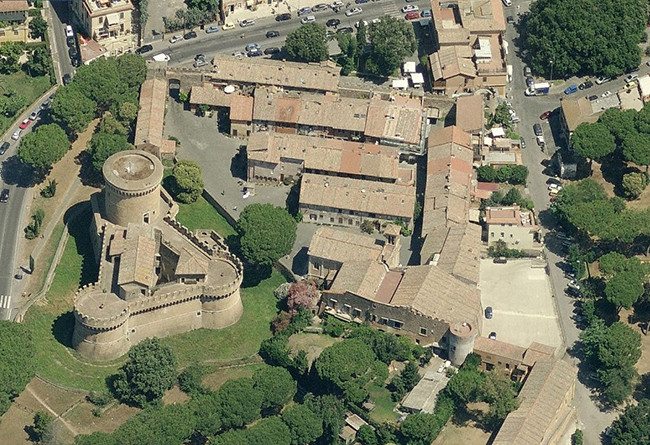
{"x": 347, "y": 308}
{"x": 350, "y": 221}
{"x": 383, "y": 320}
{"x": 423, "y": 331}
{"x": 340, "y": 220}
{"x": 312, "y": 217}
{"x": 507, "y": 365}
{"x": 491, "y": 234}
{"x": 121, "y": 15}
{"x": 397, "y": 324}
{"x": 503, "y": 234}
{"x": 489, "y": 366}
{"x": 356, "y": 312}
{"x": 331, "y": 219}
{"x": 145, "y": 218}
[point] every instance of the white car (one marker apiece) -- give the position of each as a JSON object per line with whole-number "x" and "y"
{"x": 377, "y": 20}
{"x": 68, "y": 31}
{"x": 247, "y": 22}
{"x": 409, "y": 8}
{"x": 175, "y": 39}
{"x": 16, "y": 135}
{"x": 161, "y": 58}
{"x": 507, "y": 2}
{"x": 359, "y": 23}
{"x": 337, "y": 4}
{"x": 606, "y": 94}
{"x": 353, "y": 11}
{"x": 602, "y": 79}
{"x": 308, "y": 19}
{"x": 228, "y": 25}
{"x": 631, "y": 77}
{"x": 554, "y": 187}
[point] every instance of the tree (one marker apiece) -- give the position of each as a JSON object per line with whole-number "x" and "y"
{"x": 420, "y": 429}
{"x": 267, "y": 233}
{"x": 330, "y": 410}
{"x": 132, "y": 69}
{"x": 190, "y": 380}
{"x": 307, "y": 43}
{"x": 104, "y": 145}
{"x": 620, "y": 123}
{"x": 109, "y": 124}
{"x": 186, "y": 181}
{"x": 38, "y": 62}
{"x": 634, "y": 184}
{"x": 501, "y": 116}
{"x": 349, "y": 57}
{"x": 102, "y": 81}
{"x": 304, "y": 425}
{"x": 10, "y": 53}
{"x": 149, "y": 371}
{"x": 500, "y": 393}
{"x": 391, "y": 41}
{"x": 72, "y": 109}
{"x": 366, "y": 435}
{"x": 11, "y": 103}
{"x": 128, "y": 112}
{"x": 464, "y": 386}
{"x": 563, "y": 31}
{"x": 636, "y": 148}
{"x": 238, "y": 402}
{"x": 633, "y": 425}
{"x": 302, "y": 294}
{"x": 164, "y": 425}
{"x": 37, "y": 27}
{"x": 275, "y": 351}
{"x": 42, "y": 427}
{"x": 624, "y": 289}
{"x": 276, "y": 386}
{"x": 43, "y": 147}
{"x": 271, "y": 430}
{"x": 592, "y": 141}
{"x": 50, "y": 189}
{"x": 410, "y": 376}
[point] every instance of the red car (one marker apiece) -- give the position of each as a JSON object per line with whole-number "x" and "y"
{"x": 545, "y": 115}
{"x": 24, "y": 124}
{"x": 412, "y": 15}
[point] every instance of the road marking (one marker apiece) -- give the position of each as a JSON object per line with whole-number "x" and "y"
{"x": 5, "y": 301}
{"x": 521, "y": 314}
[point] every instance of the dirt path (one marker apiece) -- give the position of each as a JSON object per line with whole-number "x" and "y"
{"x": 51, "y": 411}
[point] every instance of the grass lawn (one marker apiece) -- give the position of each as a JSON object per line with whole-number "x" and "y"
{"x": 31, "y": 88}
{"x": 201, "y": 215}
{"x": 384, "y": 405}
{"x": 215, "y": 379}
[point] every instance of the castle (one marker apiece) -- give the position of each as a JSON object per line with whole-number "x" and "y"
{"x": 156, "y": 277}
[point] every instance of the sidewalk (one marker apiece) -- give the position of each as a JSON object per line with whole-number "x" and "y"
{"x": 268, "y": 10}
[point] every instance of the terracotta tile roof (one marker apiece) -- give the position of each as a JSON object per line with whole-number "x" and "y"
{"x": 13, "y": 5}
{"x": 577, "y": 111}
{"x": 340, "y": 246}
{"x": 461, "y": 252}
{"x": 137, "y": 261}
{"x": 241, "y": 108}
{"x": 312, "y": 76}
{"x": 509, "y": 216}
{"x": 470, "y": 115}
{"x": 541, "y": 399}
{"x": 398, "y": 120}
{"x": 394, "y": 200}
{"x": 451, "y": 61}
{"x": 537, "y": 351}
{"x": 487, "y": 346}
{"x": 361, "y": 278}
{"x": 210, "y": 94}
{"x": 151, "y": 116}
{"x": 328, "y": 155}
{"x": 190, "y": 264}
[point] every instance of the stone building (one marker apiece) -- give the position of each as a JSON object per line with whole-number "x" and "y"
{"x": 156, "y": 278}
{"x": 15, "y": 21}
{"x": 516, "y": 227}
{"x": 151, "y": 120}
{"x": 109, "y": 22}
{"x": 510, "y": 360}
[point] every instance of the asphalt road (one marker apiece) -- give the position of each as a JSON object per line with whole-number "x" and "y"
{"x": 60, "y": 16}
{"x": 236, "y": 39}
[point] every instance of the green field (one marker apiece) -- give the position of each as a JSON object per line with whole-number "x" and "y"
{"x": 201, "y": 215}
{"x": 29, "y": 87}
{"x": 384, "y": 405}
{"x": 52, "y": 321}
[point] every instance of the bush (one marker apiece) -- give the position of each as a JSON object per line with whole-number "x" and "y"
{"x": 577, "y": 438}
{"x": 334, "y": 327}
{"x": 33, "y": 229}
{"x": 500, "y": 249}
{"x": 634, "y": 184}
{"x": 100, "y": 399}
{"x": 49, "y": 190}
{"x": 513, "y": 174}
{"x": 367, "y": 226}
{"x": 190, "y": 381}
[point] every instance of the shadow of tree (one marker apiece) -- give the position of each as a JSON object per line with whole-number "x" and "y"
{"x": 15, "y": 172}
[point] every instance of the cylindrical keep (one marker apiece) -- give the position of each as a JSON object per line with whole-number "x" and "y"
{"x": 461, "y": 342}
{"x": 132, "y": 191}
{"x": 222, "y": 312}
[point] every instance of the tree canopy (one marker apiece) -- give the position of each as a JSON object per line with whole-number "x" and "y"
{"x": 624, "y": 289}
{"x": 304, "y": 425}
{"x": 307, "y": 43}
{"x": 238, "y": 402}
{"x": 43, "y": 147}
{"x": 72, "y": 109}
{"x": 391, "y": 41}
{"x": 276, "y": 387}
{"x": 267, "y": 233}
{"x": 633, "y": 426}
{"x": 16, "y": 361}
{"x": 103, "y": 145}
{"x": 330, "y": 410}
{"x": 583, "y": 36}
{"x": 186, "y": 181}
{"x": 593, "y": 141}
{"x": 149, "y": 371}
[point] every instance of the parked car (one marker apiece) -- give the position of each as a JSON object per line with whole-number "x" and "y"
{"x": 228, "y": 25}
{"x": 144, "y": 49}
{"x": 252, "y": 46}
{"x": 71, "y": 41}
{"x": 488, "y": 312}
{"x": 3, "y": 148}
{"x": 492, "y": 336}
{"x": 409, "y": 8}
{"x": 592, "y": 98}
{"x": 426, "y": 13}
{"x": 606, "y": 94}
{"x": 631, "y": 77}
{"x": 161, "y": 57}
{"x": 510, "y": 19}
{"x": 545, "y": 115}
{"x": 4, "y": 195}
{"x": 571, "y": 89}
{"x": 337, "y": 4}
{"x": 527, "y": 71}
{"x": 69, "y": 32}
{"x": 353, "y": 11}
{"x": 283, "y": 17}
{"x": 530, "y": 81}
{"x": 24, "y": 124}
{"x": 586, "y": 84}
{"x": 412, "y": 15}
{"x": 67, "y": 79}
{"x": 358, "y": 2}
{"x": 239, "y": 54}
{"x": 190, "y": 35}
{"x": 272, "y": 50}
{"x": 175, "y": 39}
{"x": 320, "y": 7}
{"x": 522, "y": 142}
{"x": 271, "y": 34}
{"x": 246, "y": 23}
{"x": 16, "y": 134}
{"x": 255, "y": 53}
{"x": 573, "y": 284}
{"x": 72, "y": 52}
{"x": 358, "y": 24}
{"x": 573, "y": 292}
{"x": 507, "y": 2}
{"x": 304, "y": 11}
{"x": 554, "y": 186}
{"x": 308, "y": 19}
{"x": 212, "y": 29}
{"x": 537, "y": 128}
{"x": 541, "y": 142}
{"x": 602, "y": 79}
{"x": 377, "y": 20}
{"x": 34, "y": 115}
{"x": 199, "y": 63}
{"x": 333, "y": 23}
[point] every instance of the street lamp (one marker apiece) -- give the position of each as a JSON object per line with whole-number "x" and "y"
{"x": 551, "y": 62}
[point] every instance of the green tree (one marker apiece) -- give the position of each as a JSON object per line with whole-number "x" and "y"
{"x": 103, "y": 145}
{"x": 269, "y": 431}
{"x": 307, "y": 43}
{"x": 128, "y": 112}
{"x": 304, "y": 425}
{"x": 132, "y": 70}
{"x": 361, "y": 41}
{"x": 410, "y": 376}
{"x": 577, "y": 438}
{"x": 592, "y": 141}
{"x": 10, "y": 53}
{"x": 619, "y": 122}
{"x": 109, "y": 124}
{"x": 634, "y": 184}
{"x": 267, "y": 233}
{"x": 624, "y": 289}
{"x": 38, "y": 62}
{"x": 420, "y": 428}
{"x": 205, "y": 408}
{"x": 43, "y": 147}
{"x": 464, "y": 386}
{"x": 11, "y": 103}
{"x": 37, "y": 27}
{"x": 186, "y": 183}
{"x": 391, "y": 41}
{"x": 633, "y": 426}
{"x": 636, "y": 148}
{"x": 330, "y": 410}
{"x": 149, "y": 371}
{"x": 42, "y": 427}
{"x": 276, "y": 352}
{"x": 500, "y": 393}
{"x": 349, "y": 57}
{"x": 72, "y": 109}
{"x": 501, "y": 116}
{"x": 238, "y": 402}
{"x": 366, "y": 435}
{"x": 163, "y": 425}
{"x": 276, "y": 386}
{"x": 190, "y": 380}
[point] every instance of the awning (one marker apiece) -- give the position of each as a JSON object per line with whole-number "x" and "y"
{"x": 113, "y": 19}
{"x": 417, "y": 78}
{"x": 400, "y": 84}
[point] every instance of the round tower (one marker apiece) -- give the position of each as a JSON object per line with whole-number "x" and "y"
{"x": 132, "y": 191}
{"x": 221, "y": 300}
{"x": 461, "y": 342}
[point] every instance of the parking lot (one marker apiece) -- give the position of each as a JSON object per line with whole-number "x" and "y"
{"x": 524, "y": 315}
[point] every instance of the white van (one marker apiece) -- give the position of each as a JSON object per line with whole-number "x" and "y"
{"x": 308, "y": 19}
{"x": 161, "y": 58}
{"x": 68, "y": 31}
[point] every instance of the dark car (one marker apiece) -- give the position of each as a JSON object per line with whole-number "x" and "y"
{"x": 272, "y": 50}
{"x": 586, "y": 84}
{"x": 346, "y": 29}
{"x": 72, "y": 52}
{"x": 573, "y": 292}
{"x": 271, "y": 34}
{"x": 510, "y": 19}
{"x": 4, "y": 147}
{"x": 537, "y": 128}
{"x": 492, "y": 336}
{"x": 4, "y": 195}
{"x": 255, "y": 53}
{"x": 67, "y": 79}
{"x": 71, "y": 41}
{"x": 359, "y": 2}
{"x": 75, "y": 62}
{"x": 283, "y": 17}
{"x": 500, "y": 260}
{"x": 592, "y": 97}
{"x": 144, "y": 49}
{"x": 530, "y": 81}
{"x": 333, "y": 23}
{"x": 190, "y": 35}
{"x": 545, "y": 115}
{"x": 488, "y": 312}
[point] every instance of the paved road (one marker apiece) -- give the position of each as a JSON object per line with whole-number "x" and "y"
{"x": 229, "y": 41}
{"x": 59, "y": 14}
{"x": 591, "y": 419}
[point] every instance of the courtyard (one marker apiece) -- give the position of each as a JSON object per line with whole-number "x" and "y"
{"x": 525, "y": 315}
